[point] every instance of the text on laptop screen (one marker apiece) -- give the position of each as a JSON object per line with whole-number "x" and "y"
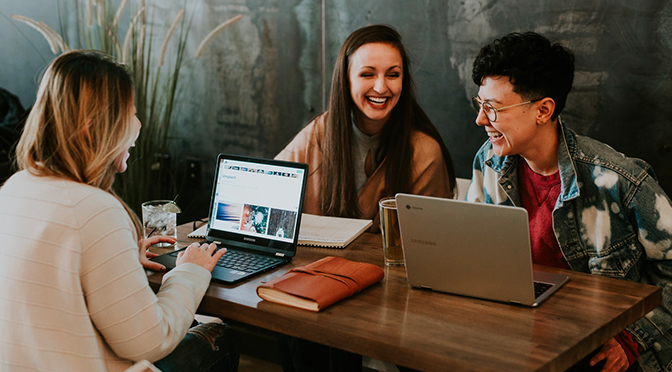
{"x": 257, "y": 199}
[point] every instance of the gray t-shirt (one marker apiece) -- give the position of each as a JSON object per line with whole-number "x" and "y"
{"x": 362, "y": 144}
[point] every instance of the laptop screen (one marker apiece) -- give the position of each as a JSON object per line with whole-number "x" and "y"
{"x": 257, "y": 201}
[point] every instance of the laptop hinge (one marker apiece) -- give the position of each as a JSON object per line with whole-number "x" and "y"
{"x": 278, "y": 254}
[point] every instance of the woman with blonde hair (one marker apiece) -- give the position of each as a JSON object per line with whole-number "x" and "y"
{"x": 374, "y": 140}
{"x": 74, "y": 291}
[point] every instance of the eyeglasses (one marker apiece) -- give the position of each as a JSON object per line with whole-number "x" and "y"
{"x": 490, "y": 111}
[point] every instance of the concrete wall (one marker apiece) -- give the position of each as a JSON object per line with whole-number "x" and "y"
{"x": 266, "y": 76}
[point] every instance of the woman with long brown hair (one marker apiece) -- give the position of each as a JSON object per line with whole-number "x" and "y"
{"x": 74, "y": 291}
{"x": 374, "y": 140}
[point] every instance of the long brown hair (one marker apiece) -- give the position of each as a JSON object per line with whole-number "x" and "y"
{"x": 81, "y": 122}
{"x": 338, "y": 195}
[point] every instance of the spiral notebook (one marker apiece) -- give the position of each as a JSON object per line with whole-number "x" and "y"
{"x": 318, "y": 231}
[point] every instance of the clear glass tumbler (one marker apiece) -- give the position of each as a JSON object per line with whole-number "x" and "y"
{"x": 389, "y": 227}
{"x": 159, "y": 217}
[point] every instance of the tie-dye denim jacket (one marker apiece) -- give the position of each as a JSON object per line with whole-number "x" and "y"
{"x": 612, "y": 218}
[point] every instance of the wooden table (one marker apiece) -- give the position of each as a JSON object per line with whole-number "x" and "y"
{"x": 432, "y": 331}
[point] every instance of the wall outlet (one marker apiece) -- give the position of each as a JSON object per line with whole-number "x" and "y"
{"x": 194, "y": 173}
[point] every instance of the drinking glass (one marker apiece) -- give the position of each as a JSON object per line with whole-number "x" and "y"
{"x": 159, "y": 217}
{"x": 389, "y": 227}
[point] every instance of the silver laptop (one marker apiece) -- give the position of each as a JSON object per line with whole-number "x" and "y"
{"x": 471, "y": 249}
{"x": 255, "y": 213}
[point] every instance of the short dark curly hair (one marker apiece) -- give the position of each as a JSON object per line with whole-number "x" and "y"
{"x": 535, "y": 67}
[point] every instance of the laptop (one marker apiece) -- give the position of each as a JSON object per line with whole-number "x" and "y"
{"x": 255, "y": 213}
{"x": 471, "y": 249}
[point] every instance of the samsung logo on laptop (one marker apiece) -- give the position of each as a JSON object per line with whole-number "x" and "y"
{"x": 249, "y": 239}
{"x": 422, "y": 241}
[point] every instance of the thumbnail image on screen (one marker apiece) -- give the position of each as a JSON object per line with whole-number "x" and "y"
{"x": 229, "y": 212}
{"x": 255, "y": 218}
{"x": 281, "y": 223}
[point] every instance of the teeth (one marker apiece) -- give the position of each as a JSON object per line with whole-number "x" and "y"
{"x": 494, "y": 135}
{"x": 378, "y": 101}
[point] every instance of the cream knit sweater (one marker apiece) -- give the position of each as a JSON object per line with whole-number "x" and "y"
{"x": 73, "y": 295}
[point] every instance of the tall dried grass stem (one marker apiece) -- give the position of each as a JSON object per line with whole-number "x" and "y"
{"x": 169, "y": 34}
{"x": 89, "y": 12}
{"x": 126, "y": 47}
{"x": 117, "y": 17}
{"x": 117, "y": 47}
{"x": 206, "y": 40}
{"x": 141, "y": 48}
{"x": 100, "y": 10}
{"x": 42, "y": 29}
{"x": 58, "y": 38}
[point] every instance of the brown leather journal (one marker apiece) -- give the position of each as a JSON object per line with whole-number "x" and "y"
{"x": 321, "y": 283}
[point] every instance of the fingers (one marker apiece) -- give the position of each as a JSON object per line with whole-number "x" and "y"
{"x": 154, "y": 266}
{"x": 219, "y": 253}
{"x": 597, "y": 357}
{"x": 205, "y": 255}
{"x": 159, "y": 239}
{"x": 613, "y": 354}
{"x": 212, "y": 250}
{"x": 209, "y": 248}
{"x": 151, "y": 254}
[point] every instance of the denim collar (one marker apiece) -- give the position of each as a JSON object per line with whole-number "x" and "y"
{"x": 566, "y": 153}
{"x": 506, "y": 166}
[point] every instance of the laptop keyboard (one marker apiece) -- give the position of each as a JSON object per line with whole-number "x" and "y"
{"x": 246, "y": 262}
{"x": 540, "y": 288}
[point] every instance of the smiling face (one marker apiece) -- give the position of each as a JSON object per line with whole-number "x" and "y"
{"x": 376, "y": 75}
{"x": 515, "y": 130}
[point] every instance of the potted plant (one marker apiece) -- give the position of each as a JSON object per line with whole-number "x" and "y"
{"x": 156, "y": 74}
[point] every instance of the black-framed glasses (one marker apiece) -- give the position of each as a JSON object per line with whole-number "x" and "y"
{"x": 490, "y": 111}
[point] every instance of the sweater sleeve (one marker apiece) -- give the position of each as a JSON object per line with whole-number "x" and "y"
{"x": 300, "y": 147}
{"x": 629, "y": 345}
{"x": 135, "y": 323}
{"x": 430, "y": 175}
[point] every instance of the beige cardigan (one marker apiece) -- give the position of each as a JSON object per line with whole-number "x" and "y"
{"x": 429, "y": 176}
{"x": 74, "y": 295}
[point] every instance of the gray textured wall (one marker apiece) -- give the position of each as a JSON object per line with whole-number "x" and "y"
{"x": 265, "y": 77}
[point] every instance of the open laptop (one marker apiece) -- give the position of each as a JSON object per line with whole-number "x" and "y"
{"x": 471, "y": 249}
{"x": 255, "y": 213}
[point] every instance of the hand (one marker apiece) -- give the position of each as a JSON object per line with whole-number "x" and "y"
{"x": 145, "y": 255}
{"x": 616, "y": 359}
{"x": 205, "y": 255}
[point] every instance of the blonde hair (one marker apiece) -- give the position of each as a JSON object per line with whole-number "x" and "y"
{"x": 81, "y": 122}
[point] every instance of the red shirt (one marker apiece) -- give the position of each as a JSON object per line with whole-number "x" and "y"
{"x": 538, "y": 195}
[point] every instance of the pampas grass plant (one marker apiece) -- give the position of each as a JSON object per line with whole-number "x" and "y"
{"x": 149, "y": 175}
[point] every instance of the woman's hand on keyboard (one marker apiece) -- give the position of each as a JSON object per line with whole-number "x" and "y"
{"x": 145, "y": 254}
{"x": 203, "y": 255}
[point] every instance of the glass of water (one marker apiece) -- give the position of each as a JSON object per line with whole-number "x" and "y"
{"x": 159, "y": 217}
